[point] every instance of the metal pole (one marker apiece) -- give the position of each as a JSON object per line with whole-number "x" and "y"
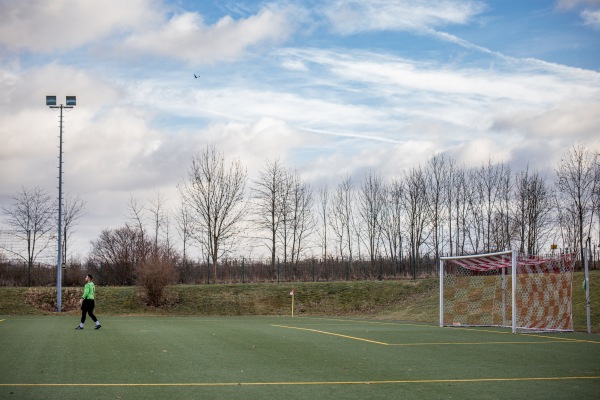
{"x": 28, "y": 257}
{"x": 587, "y": 291}
{"x": 59, "y": 236}
{"x": 503, "y": 297}
{"x": 514, "y": 291}
{"x": 441, "y": 293}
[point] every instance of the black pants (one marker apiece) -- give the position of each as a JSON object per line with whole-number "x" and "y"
{"x": 87, "y": 307}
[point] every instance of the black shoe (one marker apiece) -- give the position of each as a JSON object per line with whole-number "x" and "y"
{"x": 98, "y": 327}
{"x": 79, "y": 328}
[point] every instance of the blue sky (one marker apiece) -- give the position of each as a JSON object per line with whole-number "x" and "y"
{"x": 328, "y": 87}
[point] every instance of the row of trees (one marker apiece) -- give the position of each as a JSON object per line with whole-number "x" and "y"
{"x": 439, "y": 208}
{"x": 31, "y": 228}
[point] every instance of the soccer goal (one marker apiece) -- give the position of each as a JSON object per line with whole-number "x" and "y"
{"x": 505, "y": 289}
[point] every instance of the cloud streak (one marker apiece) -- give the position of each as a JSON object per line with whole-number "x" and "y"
{"x": 355, "y": 16}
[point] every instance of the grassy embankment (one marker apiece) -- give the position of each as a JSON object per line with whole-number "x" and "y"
{"x": 395, "y": 300}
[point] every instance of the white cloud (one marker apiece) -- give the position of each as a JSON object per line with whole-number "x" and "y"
{"x": 326, "y": 112}
{"x": 294, "y": 65}
{"x": 186, "y": 37}
{"x": 350, "y": 17}
{"x": 574, "y": 119}
{"x": 49, "y": 26}
{"x": 590, "y": 13}
{"x": 591, "y": 18}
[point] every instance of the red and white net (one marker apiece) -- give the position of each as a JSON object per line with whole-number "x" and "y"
{"x": 478, "y": 293}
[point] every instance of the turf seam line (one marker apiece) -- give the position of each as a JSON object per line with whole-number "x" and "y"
{"x": 208, "y": 384}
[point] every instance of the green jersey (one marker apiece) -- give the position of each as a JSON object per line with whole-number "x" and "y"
{"x": 88, "y": 291}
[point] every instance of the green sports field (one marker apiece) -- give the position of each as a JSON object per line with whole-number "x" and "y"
{"x": 291, "y": 358}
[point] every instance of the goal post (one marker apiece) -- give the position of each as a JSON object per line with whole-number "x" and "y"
{"x": 475, "y": 291}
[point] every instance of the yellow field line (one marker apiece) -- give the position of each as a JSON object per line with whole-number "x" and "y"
{"x": 371, "y": 322}
{"x": 563, "y": 339}
{"x": 422, "y": 344}
{"x": 468, "y": 343}
{"x": 200, "y": 384}
{"x": 332, "y": 334}
{"x": 552, "y": 338}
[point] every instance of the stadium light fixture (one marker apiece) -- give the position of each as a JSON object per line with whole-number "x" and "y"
{"x": 70, "y": 103}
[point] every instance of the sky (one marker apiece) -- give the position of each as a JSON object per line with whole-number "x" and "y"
{"x": 329, "y": 87}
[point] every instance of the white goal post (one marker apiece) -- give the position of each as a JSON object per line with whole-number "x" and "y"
{"x": 505, "y": 289}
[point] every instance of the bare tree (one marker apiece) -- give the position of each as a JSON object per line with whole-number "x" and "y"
{"x": 184, "y": 224}
{"x": 533, "y": 217}
{"x": 502, "y": 229}
{"x": 30, "y": 215}
{"x": 136, "y": 215}
{"x": 418, "y": 216}
{"x": 371, "y": 204}
{"x": 73, "y": 210}
{"x": 436, "y": 183}
{"x": 474, "y": 221}
{"x": 451, "y": 196}
{"x": 342, "y": 216}
{"x": 597, "y": 201}
{"x": 458, "y": 198}
{"x": 215, "y": 193}
{"x": 287, "y": 209}
{"x": 486, "y": 204}
{"x": 392, "y": 220}
{"x": 577, "y": 183}
{"x": 302, "y": 220}
{"x": 323, "y": 216}
{"x": 160, "y": 218}
{"x": 489, "y": 180}
{"x": 267, "y": 199}
{"x": 119, "y": 252}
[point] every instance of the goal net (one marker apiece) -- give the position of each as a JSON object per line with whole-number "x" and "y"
{"x": 526, "y": 293}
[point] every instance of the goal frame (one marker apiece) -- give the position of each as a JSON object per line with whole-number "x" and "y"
{"x": 513, "y": 306}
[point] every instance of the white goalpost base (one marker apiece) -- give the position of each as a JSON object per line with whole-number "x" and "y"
{"x": 475, "y": 291}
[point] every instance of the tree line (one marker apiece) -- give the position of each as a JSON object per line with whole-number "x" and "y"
{"x": 405, "y": 223}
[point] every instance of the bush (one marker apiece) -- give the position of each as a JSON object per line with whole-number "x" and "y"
{"x": 154, "y": 275}
{"x": 45, "y": 298}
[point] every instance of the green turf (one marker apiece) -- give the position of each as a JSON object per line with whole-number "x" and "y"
{"x": 292, "y": 358}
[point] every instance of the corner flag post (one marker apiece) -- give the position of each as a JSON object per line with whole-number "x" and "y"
{"x": 292, "y": 294}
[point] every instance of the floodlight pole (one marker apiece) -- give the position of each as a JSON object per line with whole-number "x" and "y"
{"x": 59, "y": 236}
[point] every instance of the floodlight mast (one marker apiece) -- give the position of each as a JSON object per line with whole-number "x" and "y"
{"x": 70, "y": 103}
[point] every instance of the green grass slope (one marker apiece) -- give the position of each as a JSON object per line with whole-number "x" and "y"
{"x": 394, "y": 300}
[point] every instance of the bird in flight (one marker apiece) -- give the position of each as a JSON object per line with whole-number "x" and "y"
{"x": 196, "y": 76}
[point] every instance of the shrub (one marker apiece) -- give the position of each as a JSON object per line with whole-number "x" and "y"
{"x": 154, "y": 275}
{"x": 45, "y": 298}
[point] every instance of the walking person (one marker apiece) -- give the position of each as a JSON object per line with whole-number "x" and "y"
{"x": 87, "y": 302}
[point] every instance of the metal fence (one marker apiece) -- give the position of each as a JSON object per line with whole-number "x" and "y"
{"x": 232, "y": 271}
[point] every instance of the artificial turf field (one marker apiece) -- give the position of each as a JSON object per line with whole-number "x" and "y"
{"x": 288, "y": 358}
